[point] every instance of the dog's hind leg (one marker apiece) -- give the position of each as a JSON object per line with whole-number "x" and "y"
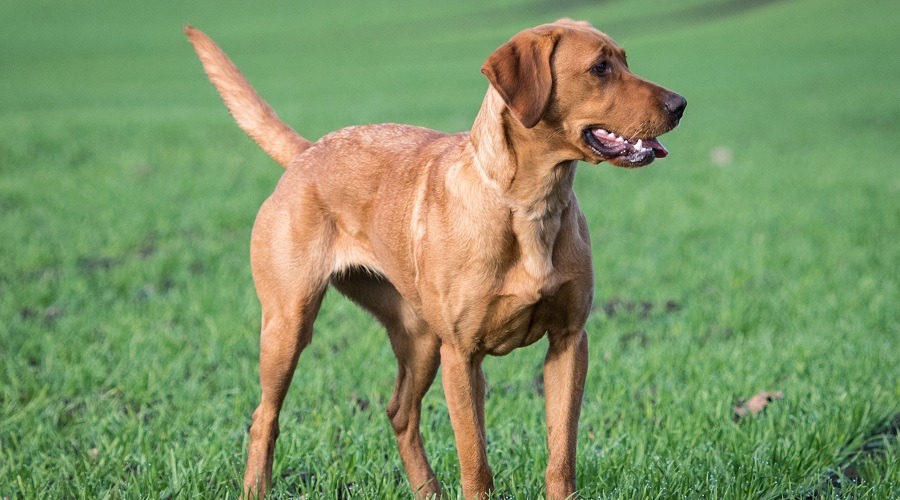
{"x": 289, "y": 254}
{"x": 418, "y": 358}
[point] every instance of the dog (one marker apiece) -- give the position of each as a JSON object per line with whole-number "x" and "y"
{"x": 461, "y": 246}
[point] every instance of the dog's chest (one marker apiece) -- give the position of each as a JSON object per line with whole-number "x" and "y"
{"x": 534, "y": 297}
{"x": 522, "y": 315}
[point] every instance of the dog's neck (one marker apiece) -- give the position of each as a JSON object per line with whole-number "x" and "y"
{"x": 516, "y": 165}
{"x": 534, "y": 181}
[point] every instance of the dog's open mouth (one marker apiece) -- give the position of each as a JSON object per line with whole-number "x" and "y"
{"x": 628, "y": 152}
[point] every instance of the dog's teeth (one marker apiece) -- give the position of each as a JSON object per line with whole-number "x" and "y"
{"x": 639, "y": 144}
{"x": 601, "y": 131}
{"x": 619, "y": 139}
{"x": 612, "y": 135}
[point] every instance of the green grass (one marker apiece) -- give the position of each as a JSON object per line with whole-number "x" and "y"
{"x": 128, "y": 341}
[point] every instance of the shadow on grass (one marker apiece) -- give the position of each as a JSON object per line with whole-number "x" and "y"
{"x": 543, "y": 11}
{"x": 697, "y": 14}
{"x": 849, "y": 473}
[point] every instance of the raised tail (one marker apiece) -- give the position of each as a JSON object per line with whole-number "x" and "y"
{"x": 251, "y": 112}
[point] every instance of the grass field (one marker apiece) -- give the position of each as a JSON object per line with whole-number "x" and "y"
{"x": 128, "y": 340}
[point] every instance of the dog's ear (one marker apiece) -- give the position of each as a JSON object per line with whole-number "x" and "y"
{"x": 520, "y": 71}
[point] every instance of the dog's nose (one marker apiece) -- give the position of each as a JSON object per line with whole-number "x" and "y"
{"x": 675, "y": 104}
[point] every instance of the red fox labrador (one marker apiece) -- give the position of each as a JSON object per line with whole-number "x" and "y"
{"x": 461, "y": 245}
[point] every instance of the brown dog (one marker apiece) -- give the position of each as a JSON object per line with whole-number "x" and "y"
{"x": 461, "y": 245}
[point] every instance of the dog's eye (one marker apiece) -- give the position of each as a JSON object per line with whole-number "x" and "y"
{"x": 600, "y": 69}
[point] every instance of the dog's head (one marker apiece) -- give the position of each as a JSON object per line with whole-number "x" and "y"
{"x": 570, "y": 85}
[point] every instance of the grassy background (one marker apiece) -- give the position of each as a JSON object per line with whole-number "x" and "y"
{"x": 128, "y": 322}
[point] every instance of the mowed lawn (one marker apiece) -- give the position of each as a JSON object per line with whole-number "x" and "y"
{"x": 762, "y": 255}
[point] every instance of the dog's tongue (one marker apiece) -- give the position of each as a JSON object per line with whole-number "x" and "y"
{"x": 659, "y": 150}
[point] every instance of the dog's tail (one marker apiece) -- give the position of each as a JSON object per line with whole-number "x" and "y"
{"x": 251, "y": 112}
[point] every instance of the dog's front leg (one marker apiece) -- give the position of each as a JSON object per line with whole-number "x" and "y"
{"x": 565, "y": 368}
{"x": 464, "y": 389}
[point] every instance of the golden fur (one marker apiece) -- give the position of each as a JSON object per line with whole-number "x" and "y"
{"x": 461, "y": 245}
